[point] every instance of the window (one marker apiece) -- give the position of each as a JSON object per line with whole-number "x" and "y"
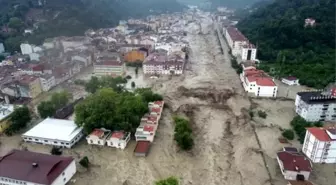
{"x": 62, "y": 143}
{"x": 55, "y": 142}
{"x": 30, "y": 138}
{"x": 64, "y": 179}
{"x": 67, "y": 143}
{"x": 98, "y": 142}
{"x": 91, "y": 141}
{"x": 46, "y": 141}
{"x": 63, "y": 173}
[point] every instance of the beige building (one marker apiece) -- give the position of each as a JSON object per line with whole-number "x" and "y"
{"x": 29, "y": 86}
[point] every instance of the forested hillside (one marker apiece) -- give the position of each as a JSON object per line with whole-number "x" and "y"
{"x": 69, "y": 17}
{"x": 237, "y": 4}
{"x": 289, "y": 47}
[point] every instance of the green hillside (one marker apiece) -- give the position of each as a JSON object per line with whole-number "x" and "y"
{"x": 290, "y": 48}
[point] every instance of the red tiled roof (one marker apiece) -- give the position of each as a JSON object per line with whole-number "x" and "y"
{"x": 235, "y": 34}
{"x": 27, "y": 79}
{"x": 98, "y": 132}
{"x": 320, "y": 133}
{"x": 118, "y": 135}
{"x": 261, "y": 81}
{"x": 157, "y": 110}
{"x": 158, "y": 102}
{"x": 142, "y": 147}
{"x": 294, "y": 161}
{"x": 152, "y": 118}
{"x": 148, "y": 128}
{"x": 38, "y": 67}
{"x": 17, "y": 165}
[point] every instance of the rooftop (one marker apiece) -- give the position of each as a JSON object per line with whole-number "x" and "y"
{"x": 142, "y": 147}
{"x": 57, "y": 129}
{"x": 321, "y": 133}
{"x": 5, "y": 110}
{"x": 109, "y": 63}
{"x": 119, "y": 135}
{"x": 316, "y": 97}
{"x": 294, "y": 161}
{"x": 18, "y": 165}
{"x": 235, "y": 34}
{"x": 290, "y": 78}
{"x": 100, "y": 133}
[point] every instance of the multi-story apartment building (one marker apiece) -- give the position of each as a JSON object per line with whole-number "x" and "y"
{"x": 320, "y": 145}
{"x": 249, "y": 52}
{"x": 29, "y": 86}
{"x": 239, "y": 44}
{"x": 109, "y": 67}
{"x": 160, "y": 63}
{"x": 316, "y": 106}
{"x": 47, "y": 82}
{"x": 257, "y": 82}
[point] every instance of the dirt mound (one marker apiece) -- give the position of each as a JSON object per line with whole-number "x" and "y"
{"x": 210, "y": 94}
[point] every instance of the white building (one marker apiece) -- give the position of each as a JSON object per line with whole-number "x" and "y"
{"x": 157, "y": 63}
{"x": 47, "y": 82}
{"x": 30, "y": 168}
{"x": 249, "y": 52}
{"x": 56, "y": 132}
{"x": 118, "y": 139}
{"x": 26, "y": 49}
{"x": 320, "y": 145}
{"x": 98, "y": 136}
{"x": 290, "y": 80}
{"x": 316, "y": 106}
{"x": 2, "y": 48}
{"x": 293, "y": 164}
{"x": 240, "y": 45}
{"x": 145, "y": 132}
{"x": 257, "y": 82}
{"x": 34, "y": 56}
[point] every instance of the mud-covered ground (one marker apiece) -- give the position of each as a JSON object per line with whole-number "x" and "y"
{"x": 230, "y": 147}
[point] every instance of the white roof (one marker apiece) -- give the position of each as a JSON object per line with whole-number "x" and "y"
{"x": 55, "y": 129}
{"x": 6, "y": 110}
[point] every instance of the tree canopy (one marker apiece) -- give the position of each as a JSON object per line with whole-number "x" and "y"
{"x": 19, "y": 119}
{"x": 299, "y": 125}
{"x": 111, "y": 110}
{"x": 57, "y": 101}
{"x": 287, "y": 46}
{"x": 168, "y": 181}
{"x": 183, "y": 133}
{"x": 95, "y": 83}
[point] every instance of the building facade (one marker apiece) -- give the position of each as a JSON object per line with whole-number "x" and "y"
{"x": 98, "y": 137}
{"x": 316, "y": 106}
{"x": 47, "y": 82}
{"x": 257, "y": 82}
{"x": 24, "y": 167}
{"x": 249, "y": 52}
{"x": 55, "y": 132}
{"x": 29, "y": 86}
{"x": 320, "y": 145}
{"x": 290, "y": 80}
{"x": 111, "y": 68}
{"x": 26, "y": 49}
{"x": 118, "y": 139}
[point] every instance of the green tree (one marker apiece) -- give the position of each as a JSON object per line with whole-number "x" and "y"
{"x": 148, "y": 95}
{"x": 183, "y": 133}
{"x": 168, "y": 181}
{"x": 288, "y": 134}
{"x": 19, "y": 119}
{"x": 84, "y": 162}
{"x": 60, "y": 99}
{"x": 109, "y": 109}
{"x": 46, "y": 109}
{"x": 15, "y": 23}
{"x": 262, "y": 114}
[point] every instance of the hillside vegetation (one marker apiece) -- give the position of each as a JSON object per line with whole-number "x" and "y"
{"x": 289, "y": 48}
{"x": 70, "y": 17}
